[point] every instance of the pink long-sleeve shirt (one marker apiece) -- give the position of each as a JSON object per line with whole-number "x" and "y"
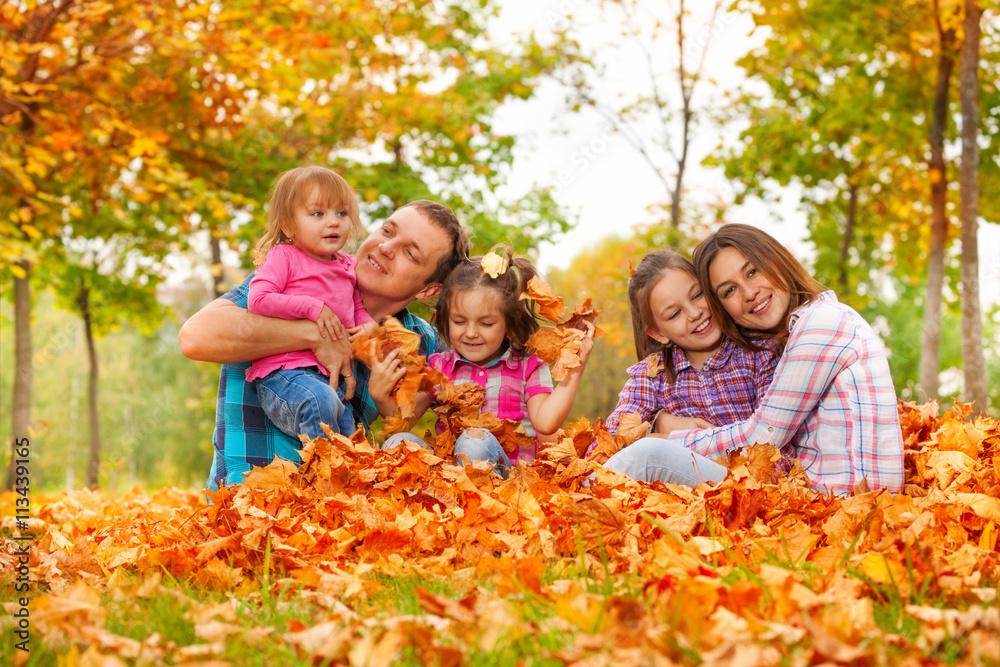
{"x": 293, "y": 285}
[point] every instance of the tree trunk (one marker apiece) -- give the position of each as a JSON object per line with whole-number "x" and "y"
{"x": 218, "y": 285}
{"x": 94, "y": 463}
{"x": 972, "y": 326}
{"x": 21, "y": 414}
{"x": 845, "y": 246}
{"x": 930, "y": 354}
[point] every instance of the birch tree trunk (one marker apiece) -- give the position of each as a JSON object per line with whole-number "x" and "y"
{"x": 930, "y": 354}
{"x": 973, "y": 361}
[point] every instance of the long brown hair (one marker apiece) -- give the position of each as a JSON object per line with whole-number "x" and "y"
{"x": 519, "y": 315}
{"x": 647, "y": 276}
{"x": 769, "y": 257}
{"x": 290, "y": 191}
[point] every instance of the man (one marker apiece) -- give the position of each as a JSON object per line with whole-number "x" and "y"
{"x": 404, "y": 260}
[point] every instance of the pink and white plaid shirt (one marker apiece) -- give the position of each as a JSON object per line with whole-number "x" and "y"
{"x": 509, "y": 382}
{"x": 831, "y": 404}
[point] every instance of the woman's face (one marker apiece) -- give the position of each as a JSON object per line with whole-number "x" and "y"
{"x": 681, "y": 315}
{"x": 747, "y": 295}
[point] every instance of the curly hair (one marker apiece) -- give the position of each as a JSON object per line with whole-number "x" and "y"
{"x": 519, "y": 315}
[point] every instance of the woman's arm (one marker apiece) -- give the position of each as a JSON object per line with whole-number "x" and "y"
{"x": 816, "y": 352}
{"x": 222, "y": 332}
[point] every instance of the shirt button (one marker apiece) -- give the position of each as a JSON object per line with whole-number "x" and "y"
{"x": 708, "y": 402}
{"x": 770, "y": 429}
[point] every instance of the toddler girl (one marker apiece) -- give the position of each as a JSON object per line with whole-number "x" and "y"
{"x": 487, "y": 325}
{"x": 689, "y": 373}
{"x": 305, "y": 276}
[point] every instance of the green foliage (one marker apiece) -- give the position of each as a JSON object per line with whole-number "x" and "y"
{"x": 157, "y": 408}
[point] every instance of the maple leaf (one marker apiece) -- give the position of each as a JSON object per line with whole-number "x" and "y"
{"x": 654, "y": 365}
{"x": 632, "y": 427}
{"x": 550, "y": 306}
{"x": 584, "y": 312}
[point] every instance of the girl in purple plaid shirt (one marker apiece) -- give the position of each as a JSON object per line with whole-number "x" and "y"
{"x": 487, "y": 324}
{"x": 689, "y": 375}
{"x": 831, "y": 404}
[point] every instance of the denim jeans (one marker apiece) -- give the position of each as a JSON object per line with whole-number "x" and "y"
{"x": 474, "y": 448}
{"x": 298, "y": 400}
{"x": 650, "y": 459}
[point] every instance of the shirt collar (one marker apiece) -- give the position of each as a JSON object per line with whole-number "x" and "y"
{"x": 509, "y": 358}
{"x": 718, "y": 360}
{"x": 829, "y": 296}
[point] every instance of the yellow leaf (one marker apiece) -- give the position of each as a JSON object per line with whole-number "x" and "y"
{"x": 24, "y": 214}
{"x": 31, "y": 232}
{"x": 988, "y": 539}
{"x": 494, "y": 264}
{"x": 881, "y": 570}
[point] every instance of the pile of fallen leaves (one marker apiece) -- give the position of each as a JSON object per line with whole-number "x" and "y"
{"x": 757, "y": 570}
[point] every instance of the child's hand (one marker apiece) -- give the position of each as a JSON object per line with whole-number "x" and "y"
{"x": 384, "y": 376}
{"x": 586, "y": 345}
{"x": 330, "y": 325}
{"x": 367, "y": 328}
{"x": 666, "y": 423}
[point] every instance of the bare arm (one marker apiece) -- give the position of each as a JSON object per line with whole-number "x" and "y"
{"x": 224, "y": 333}
{"x": 548, "y": 411}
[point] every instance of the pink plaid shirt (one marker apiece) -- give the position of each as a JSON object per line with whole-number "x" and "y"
{"x": 509, "y": 382}
{"x": 726, "y": 389}
{"x": 831, "y": 404}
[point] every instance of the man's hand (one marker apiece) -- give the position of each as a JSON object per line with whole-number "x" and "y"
{"x": 385, "y": 375}
{"x": 336, "y": 357}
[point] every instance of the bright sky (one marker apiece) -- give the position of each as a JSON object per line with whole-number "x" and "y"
{"x": 603, "y": 179}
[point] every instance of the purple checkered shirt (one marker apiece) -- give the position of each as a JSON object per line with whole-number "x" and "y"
{"x": 726, "y": 389}
{"x": 509, "y": 382}
{"x": 832, "y": 404}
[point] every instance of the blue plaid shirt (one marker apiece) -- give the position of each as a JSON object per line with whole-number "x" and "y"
{"x": 244, "y": 437}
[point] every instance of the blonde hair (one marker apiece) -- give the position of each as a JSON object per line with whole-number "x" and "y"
{"x": 290, "y": 191}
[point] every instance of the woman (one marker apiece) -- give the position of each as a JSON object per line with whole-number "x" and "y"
{"x": 831, "y": 404}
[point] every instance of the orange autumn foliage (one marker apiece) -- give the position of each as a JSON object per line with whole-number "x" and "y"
{"x": 814, "y": 566}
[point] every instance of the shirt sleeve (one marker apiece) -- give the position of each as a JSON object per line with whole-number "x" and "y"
{"x": 239, "y": 295}
{"x": 267, "y": 290}
{"x": 538, "y": 379}
{"x": 821, "y": 345}
{"x": 638, "y": 395}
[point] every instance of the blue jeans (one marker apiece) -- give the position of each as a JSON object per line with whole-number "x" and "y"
{"x": 468, "y": 448}
{"x": 298, "y": 400}
{"x": 650, "y": 459}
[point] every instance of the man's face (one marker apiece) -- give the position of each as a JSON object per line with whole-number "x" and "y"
{"x": 397, "y": 259}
